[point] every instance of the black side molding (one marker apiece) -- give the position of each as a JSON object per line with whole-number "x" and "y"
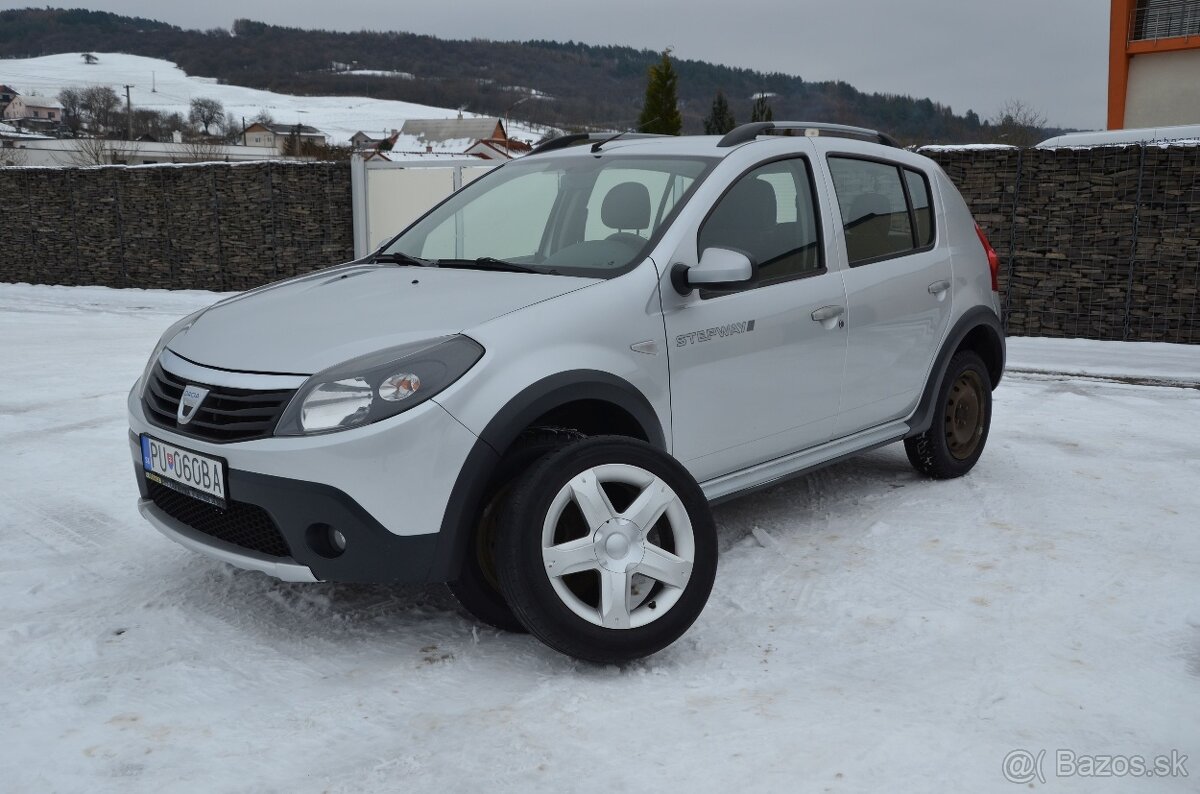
{"x": 979, "y": 319}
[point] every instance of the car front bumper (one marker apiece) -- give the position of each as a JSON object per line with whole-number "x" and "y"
{"x": 384, "y": 487}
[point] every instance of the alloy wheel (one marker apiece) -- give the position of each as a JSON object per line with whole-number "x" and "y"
{"x": 618, "y": 568}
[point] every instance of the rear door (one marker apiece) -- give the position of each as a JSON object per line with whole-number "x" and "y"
{"x": 753, "y": 375}
{"x": 898, "y": 286}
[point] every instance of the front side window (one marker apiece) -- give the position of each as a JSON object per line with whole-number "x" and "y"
{"x": 590, "y": 216}
{"x": 770, "y": 215}
{"x": 874, "y": 210}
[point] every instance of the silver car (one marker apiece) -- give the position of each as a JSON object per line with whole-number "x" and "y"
{"x": 536, "y": 390}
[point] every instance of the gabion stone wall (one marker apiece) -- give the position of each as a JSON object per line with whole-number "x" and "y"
{"x": 1099, "y": 243}
{"x": 214, "y": 226}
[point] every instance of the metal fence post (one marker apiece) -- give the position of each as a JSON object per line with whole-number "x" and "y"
{"x": 1012, "y": 241}
{"x": 216, "y": 203}
{"x": 1133, "y": 249}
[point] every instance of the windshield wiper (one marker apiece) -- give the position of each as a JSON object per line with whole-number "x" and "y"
{"x": 490, "y": 263}
{"x": 400, "y": 258}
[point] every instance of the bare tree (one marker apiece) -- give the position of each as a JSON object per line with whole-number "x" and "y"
{"x": 98, "y": 106}
{"x": 88, "y": 151}
{"x": 124, "y": 151}
{"x": 71, "y": 101}
{"x": 264, "y": 117}
{"x": 89, "y": 58}
{"x": 200, "y": 150}
{"x": 231, "y": 129}
{"x": 1018, "y": 124}
{"x": 205, "y": 111}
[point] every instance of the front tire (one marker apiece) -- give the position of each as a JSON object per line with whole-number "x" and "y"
{"x": 607, "y": 550}
{"x": 953, "y": 443}
{"x": 477, "y": 589}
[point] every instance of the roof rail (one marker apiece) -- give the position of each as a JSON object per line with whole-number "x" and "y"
{"x": 579, "y": 138}
{"x": 748, "y": 132}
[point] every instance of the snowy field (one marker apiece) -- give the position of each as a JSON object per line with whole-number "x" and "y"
{"x": 869, "y": 630}
{"x": 339, "y": 117}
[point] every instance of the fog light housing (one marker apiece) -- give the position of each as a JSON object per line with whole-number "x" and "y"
{"x": 325, "y": 540}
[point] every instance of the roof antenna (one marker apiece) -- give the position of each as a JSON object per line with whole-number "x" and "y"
{"x": 598, "y": 144}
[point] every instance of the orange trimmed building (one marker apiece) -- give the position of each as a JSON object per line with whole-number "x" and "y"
{"x": 1154, "y": 64}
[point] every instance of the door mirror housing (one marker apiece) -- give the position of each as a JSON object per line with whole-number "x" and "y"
{"x": 718, "y": 267}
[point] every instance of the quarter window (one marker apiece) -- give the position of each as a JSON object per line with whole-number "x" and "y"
{"x": 876, "y": 213}
{"x": 918, "y": 192}
{"x": 769, "y": 214}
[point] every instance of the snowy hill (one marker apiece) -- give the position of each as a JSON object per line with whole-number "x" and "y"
{"x": 161, "y": 85}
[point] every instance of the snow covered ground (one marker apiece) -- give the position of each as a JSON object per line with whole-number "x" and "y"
{"x": 339, "y": 117}
{"x": 869, "y": 630}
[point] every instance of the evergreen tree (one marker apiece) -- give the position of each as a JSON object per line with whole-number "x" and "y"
{"x": 762, "y": 109}
{"x": 720, "y": 121}
{"x": 660, "y": 112}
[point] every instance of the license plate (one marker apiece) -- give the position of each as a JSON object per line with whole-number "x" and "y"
{"x": 185, "y": 471}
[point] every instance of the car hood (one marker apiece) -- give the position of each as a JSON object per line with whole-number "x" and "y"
{"x": 307, "y": 324}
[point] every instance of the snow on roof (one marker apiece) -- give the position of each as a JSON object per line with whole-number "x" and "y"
{"x": 398, "y": 156}
{"x": 288, "y": 129}
{"x": 446, "y": 130}
{"x": 1183, "y": 135}
{"x": 9, "y": 131}
{"x": 964, "y": 147}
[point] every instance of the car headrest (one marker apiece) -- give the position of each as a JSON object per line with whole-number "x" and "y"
{"x": 626, "y": 206}
{"x": 750, "y": 205}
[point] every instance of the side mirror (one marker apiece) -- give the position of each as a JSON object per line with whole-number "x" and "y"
{"x": 718, "y": 267}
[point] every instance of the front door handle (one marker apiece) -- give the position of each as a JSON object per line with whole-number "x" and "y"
{"x": 938, "y": 287}
{"x": 828, "y": 316}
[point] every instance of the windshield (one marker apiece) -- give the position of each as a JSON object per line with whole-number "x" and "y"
{"x": 587, "y": 216}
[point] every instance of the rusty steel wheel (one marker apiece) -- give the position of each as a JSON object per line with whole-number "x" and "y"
{"x": 955, "y": 440}
{"x": 965, "y": 415}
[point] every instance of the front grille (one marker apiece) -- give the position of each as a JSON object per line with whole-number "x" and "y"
{"x": 225, "y": 415}
{"x": 245, "y": 525}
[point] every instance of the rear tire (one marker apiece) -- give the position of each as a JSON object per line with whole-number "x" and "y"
{"x": 961, "y": 421}
{"x": 607, "y": 550}
{"x": 477, "y": 589}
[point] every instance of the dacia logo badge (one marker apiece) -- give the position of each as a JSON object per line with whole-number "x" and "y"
{"x": 189, "y": 402}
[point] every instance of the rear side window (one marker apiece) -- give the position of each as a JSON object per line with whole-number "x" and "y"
{"x": 770, "y": 215}
{"x": 886, "y": 210}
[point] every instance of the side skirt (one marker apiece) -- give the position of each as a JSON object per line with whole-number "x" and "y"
{"x": 738, "y": 483}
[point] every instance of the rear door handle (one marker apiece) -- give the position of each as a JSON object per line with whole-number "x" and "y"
{"x": 828, "y": 316}
{"x": 938, "y": 287}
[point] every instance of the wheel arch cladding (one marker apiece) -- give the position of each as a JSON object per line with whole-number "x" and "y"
{"x": 978, "y": 329}
{"x": 522, "y": 411}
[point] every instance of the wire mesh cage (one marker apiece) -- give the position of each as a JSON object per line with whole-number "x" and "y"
{"x": 1096, "y": 243}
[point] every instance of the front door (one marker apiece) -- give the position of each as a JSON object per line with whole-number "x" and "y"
{"x": 753, "y": 375}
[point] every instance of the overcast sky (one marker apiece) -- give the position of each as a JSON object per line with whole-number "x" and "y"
{"x": 1051, "y": 54}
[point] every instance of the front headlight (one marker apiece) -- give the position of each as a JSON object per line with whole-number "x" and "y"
{"x": 164, "y": 340}
{"x": 378, "y": 386}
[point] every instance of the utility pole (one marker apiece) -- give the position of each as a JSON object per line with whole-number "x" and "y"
{"x": 128, "y": 115}
{"x": 153, "y": 84}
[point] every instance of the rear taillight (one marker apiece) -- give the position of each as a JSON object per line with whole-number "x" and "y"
{"x": 993, "y": 258}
